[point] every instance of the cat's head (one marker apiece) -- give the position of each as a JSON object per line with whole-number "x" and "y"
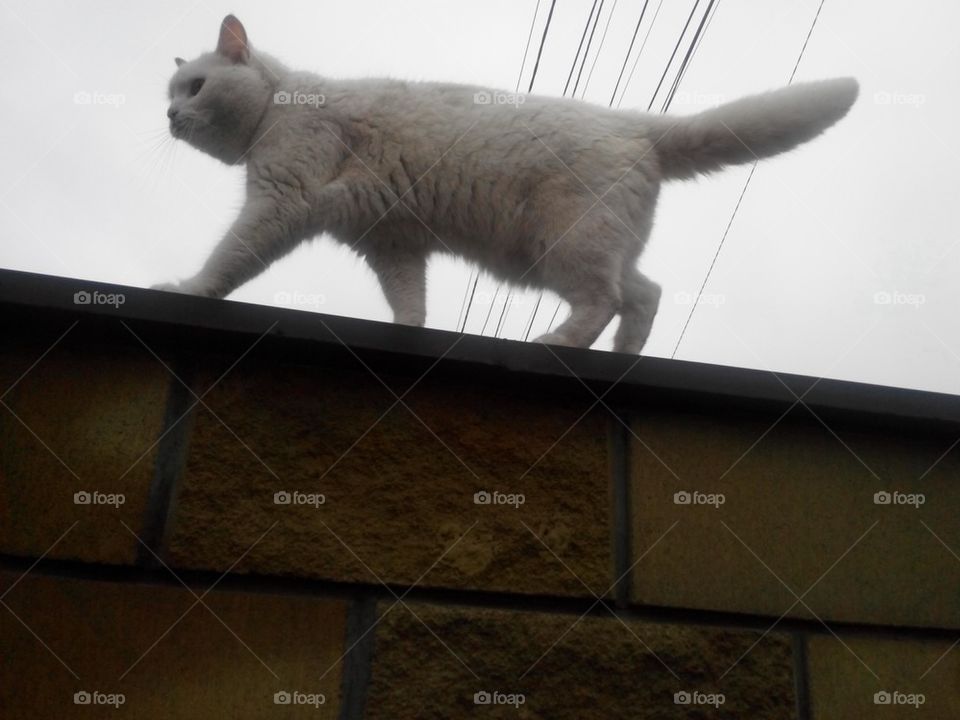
{"x": 218, "y": 99}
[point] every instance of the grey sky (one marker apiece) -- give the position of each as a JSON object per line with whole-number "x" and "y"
{"x": 86, "y": 191}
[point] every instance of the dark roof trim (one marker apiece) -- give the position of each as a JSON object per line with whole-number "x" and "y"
{"x": 646, "y": 379}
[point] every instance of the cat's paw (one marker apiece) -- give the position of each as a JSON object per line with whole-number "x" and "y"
{"x": 553, "y": 339}
{"x": 169, "y": 287}
{"x": 191, "y": 286}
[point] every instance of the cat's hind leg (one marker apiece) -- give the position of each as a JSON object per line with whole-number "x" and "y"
{"x": 638, "y": 307}
{"x": 589, "y": 315}
{"x": 584, "y": 271}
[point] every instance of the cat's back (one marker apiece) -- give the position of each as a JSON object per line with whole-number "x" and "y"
{"x": 435, "y": 118}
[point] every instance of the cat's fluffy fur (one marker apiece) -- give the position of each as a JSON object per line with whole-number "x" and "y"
{"x": 540, "y": 192}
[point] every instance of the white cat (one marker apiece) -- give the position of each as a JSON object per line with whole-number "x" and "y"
{"x": 540, "y": 192}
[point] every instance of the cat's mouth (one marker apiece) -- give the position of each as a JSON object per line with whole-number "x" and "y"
{"x": 180, "y": 128}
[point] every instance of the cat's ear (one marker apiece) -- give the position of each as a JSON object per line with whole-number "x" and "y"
{"x": 179, "y": 61}
{"x": 233, "y": 40}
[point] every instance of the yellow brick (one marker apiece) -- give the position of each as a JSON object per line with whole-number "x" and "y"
{"x": 593, "y": 668}
{"x": 797, "y": 503}
{"x": 917, "y": 678}
{"x": 83, "y": 419}
{"x": 199, "y": 667}
{"x": 398, "y": 495}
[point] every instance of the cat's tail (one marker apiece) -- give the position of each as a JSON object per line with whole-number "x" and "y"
{"x": 750, "y": 128}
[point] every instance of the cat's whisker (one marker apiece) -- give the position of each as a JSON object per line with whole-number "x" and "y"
{"x": 148, "y": 151}
{"x": 165, "y": 162}
{"x": 155, "y": 134}
{"x": 152, "y": 163}
{"x": 157, "y": 142}
{"x": 154, "y": 138}
{"x": 170, "y": 154}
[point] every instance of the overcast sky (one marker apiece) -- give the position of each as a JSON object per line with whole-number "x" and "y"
{"x": 843, "y": 260}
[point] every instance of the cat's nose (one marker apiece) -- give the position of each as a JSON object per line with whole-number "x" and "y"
{"x": 172, "y": 112}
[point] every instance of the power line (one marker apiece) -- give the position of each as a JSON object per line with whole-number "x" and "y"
{"x": 523, "y": 63}
{"x": 587, "y": 51}
{"x": 714, "y": 261}
{"x": 687, "y": 58}
{"x": 503, "y": 313}
{"x": 742, "y": 193}
{"x": 490, "y": 310}
{"x": 683, "y": 70}
{"x": 463, "y": 303}
{"x": 533, "y": 316}
{"x": 580, "y": 47}
{"x": 476, "y": 279}
{"x": 805, "y": 41}
{"x": 643, "y": 11}
{"x": 639, "y": 54}
{"x": 596, "y": 57}
{"x": 675, "y": 48}
{"x": 543, "y": 39}
{"x": 555, "y": 312}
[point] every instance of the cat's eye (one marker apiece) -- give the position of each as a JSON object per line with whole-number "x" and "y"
{"x": 195, "y": 86}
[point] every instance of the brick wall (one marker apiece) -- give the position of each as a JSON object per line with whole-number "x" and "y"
{"x": 587, "y": 588}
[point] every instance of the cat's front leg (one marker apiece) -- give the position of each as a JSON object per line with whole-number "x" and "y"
{"x": 264, "y": 231}
{"x": 403, "y": 278}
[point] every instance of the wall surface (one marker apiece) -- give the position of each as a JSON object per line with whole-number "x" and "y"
{"x": 214, "y": 510}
